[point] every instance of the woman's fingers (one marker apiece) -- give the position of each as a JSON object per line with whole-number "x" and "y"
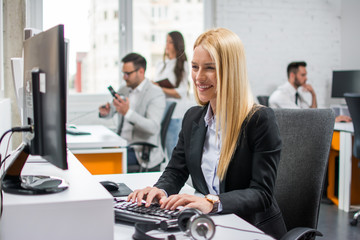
{"x": 186, "y": 200}
{"x": 148, "y": 194}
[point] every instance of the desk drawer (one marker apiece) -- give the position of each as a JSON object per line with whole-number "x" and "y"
{"x": 101, "y": 163}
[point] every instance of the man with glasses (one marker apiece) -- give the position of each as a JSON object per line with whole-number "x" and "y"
{"x": 139, "y": 106}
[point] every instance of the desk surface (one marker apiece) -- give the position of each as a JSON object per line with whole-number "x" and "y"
{"x": 141, "y": 180}
{"x": 345, "y": 163}
{"x": 83, "y": 211}
{"x": 346, "y": 127}
{"x": 101, "y": 137}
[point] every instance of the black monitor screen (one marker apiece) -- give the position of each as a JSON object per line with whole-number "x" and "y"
{"x": 45, "y": 95}
{"x": 45, "y": 111}
{"x": 345, "y": 82}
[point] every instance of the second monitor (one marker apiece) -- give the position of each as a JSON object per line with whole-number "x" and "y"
{"x": 347, "y": 81}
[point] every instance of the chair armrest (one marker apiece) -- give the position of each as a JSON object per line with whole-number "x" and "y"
{"x": 301, "y": 233}
{"x": 146, "y": 149}
{"x": 142, "y": 144}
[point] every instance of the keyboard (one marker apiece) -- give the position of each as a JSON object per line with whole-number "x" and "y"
{"x": 131, "y": 212}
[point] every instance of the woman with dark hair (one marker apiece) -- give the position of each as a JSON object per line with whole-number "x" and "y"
{"x": 174, "y": 68}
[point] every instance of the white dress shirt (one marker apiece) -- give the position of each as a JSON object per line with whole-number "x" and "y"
{"x": 211, "y": 154}
{"x": 166, "y": 70}
{"x": 284, "y": 97}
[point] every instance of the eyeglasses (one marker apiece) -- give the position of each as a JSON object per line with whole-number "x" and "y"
{"x": 127, "y": 74}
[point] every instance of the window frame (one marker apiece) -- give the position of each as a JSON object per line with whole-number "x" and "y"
{"x": 126, "y": 23}
{"x": 125, "y": 29}
{"x": 34, "y": 14}
{"x": 34, "y": 19}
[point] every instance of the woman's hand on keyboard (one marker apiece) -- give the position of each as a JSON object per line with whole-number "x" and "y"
{"x": 149, "y": 194}
{"x": 188, "y": 201}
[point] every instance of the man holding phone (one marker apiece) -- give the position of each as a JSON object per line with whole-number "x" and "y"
{"x": 139, "y": 106}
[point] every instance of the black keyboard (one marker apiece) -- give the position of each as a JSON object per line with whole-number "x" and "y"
{"x": 131, "y": 212}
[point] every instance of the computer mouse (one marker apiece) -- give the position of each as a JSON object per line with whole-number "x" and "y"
{"x": 110, "y": 186}
{"x": 71, "y": 126}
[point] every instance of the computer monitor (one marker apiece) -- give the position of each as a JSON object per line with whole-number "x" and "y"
{"x": 347, "y": 81}
{"x": 45, "y": 110}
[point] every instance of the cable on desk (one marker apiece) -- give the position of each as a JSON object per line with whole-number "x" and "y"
{"x": 6, "y": 155}
{"x": 17, "y": 129}
{"x": 240, "y": 229}
{"x": 12, "y": 130}
{"x": 2, "y": 161}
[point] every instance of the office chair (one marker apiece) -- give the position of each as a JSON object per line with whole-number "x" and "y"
{"x": 306, "y": 137}
{"x": 147, "y": 147}
{"x": 263, "y": 100}
{"x": 353, "y": 103}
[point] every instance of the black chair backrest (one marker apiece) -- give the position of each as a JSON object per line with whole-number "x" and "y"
{"x": 170, "y": 106}
{"x": 353, "y": 103}
{"x": 306, "y": 137}
{"x": 263, "y": 100}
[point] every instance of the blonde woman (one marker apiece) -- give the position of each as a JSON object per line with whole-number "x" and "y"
{"x": 230, "y": 146}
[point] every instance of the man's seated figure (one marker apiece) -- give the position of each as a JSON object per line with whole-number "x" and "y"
{"x": 140, "y": 106}
{"x": 289, "y": 96}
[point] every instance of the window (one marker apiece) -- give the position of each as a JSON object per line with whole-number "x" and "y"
{"x": 152, "y": 20}
{"x": 74, "y": 15}
{"x": 102, "y": 34}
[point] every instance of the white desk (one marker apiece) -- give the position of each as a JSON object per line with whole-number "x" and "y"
{"x": 141, "y": 180}
{"x": 345, "y": 161}
{"x": 99, "y": 151}
{"x": 83, "y": 211}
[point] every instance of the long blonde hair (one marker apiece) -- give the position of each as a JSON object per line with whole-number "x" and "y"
{"x": 234, "y": 100}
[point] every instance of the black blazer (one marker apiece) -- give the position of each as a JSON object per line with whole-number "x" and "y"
{"x": 248, "y": 187}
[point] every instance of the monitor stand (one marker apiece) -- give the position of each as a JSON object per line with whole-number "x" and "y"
{"x": 15, "y": 183}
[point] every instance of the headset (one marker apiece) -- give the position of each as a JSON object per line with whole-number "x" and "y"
{"x": 192, "y": 221}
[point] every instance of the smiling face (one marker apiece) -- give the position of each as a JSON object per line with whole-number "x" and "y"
{"x": 204, "y": 76}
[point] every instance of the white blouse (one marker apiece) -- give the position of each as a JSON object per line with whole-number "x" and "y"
{"x": 168, "y": 72}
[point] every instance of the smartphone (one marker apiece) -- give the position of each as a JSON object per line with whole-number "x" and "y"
{"x": 112, "y": 91}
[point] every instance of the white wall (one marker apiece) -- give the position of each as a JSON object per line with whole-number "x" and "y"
{"x": 350, "y": 33}
{"x": 5, "y": 124}
{"x": 277, "y": 32}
